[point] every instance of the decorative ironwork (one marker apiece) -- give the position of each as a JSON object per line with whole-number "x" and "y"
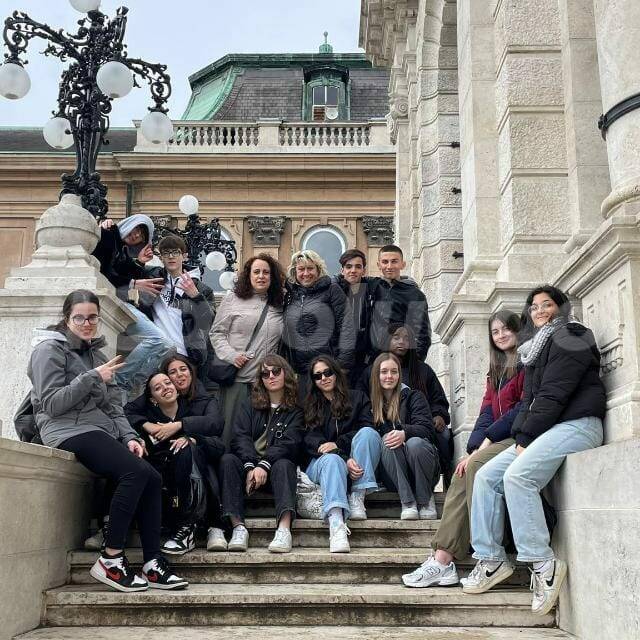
{"x": 266, "y": 231}
{"x": 379, "y": 230}
{"x": 97, "y": 41}
{"x": 200, "y": 237}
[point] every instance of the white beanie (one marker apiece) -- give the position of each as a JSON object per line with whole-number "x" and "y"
{"x": 126, "y": 226}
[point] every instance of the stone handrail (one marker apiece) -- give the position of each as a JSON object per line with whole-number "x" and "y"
{"x": 272, "y": 136}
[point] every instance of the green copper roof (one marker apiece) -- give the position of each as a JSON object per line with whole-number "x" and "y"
{"x": 325, "y": 47}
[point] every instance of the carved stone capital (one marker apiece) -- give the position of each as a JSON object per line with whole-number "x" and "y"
{"x": 379, "y": 230}
{"x": 266, "y": 231}
{"x": 399, "y": 111}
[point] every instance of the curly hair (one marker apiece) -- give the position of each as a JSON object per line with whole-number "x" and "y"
{"x": 275, "y": 292}
{"x": 259, "y": 394}
{"x": 306, "y": 256}
{"x": 315, "y": 402}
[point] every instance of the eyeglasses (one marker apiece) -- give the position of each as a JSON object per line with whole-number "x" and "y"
{"x": 327, "y": 373}
{"x": 545, "y": 306}
{"x": 175, "y": 253}
{"x": 78, "y": 320}
{"x": 267, "y": 373}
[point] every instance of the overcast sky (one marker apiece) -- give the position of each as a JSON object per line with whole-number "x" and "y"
{"x": 186, "y": 36}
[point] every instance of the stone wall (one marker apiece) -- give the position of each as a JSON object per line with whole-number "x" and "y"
{"x": 44, "y": 500}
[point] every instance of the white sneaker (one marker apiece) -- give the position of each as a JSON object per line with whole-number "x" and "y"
{"x": 409, "y": 513}
{"x": 116, "y": 573}
{"x": 432, "y": 573}
{"x": 239, "y": 539}
{"x": 546, "y": 587}
{"x": 429, "y": 512}
{"x": 281, "y": 542}
{"x": 338, "y": 539}
{"x": 356, "y": 506}
{"x": 216, "y": 540}
{"x": 482, "y": 578}
{"x": 95, "y": 542}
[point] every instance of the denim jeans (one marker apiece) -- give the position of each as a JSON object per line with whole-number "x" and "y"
{"x": 148, "y": 354}
{"x": 519, "y": 479}
{"x": 330, "y": 472}
{"x": 366, "y": 448}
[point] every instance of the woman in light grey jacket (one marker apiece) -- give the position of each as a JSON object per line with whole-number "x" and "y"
{"x": 77, "y": 407}
{"x": 260, "y": 283}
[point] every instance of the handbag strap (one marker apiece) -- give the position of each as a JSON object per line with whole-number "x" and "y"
{"x": 258, "y": 326}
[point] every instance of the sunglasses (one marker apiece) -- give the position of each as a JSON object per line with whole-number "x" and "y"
{"x": 327, "y": 373}
{"x": 267, "y": 373}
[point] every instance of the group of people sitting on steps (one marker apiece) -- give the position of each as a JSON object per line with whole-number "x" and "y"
{"x": 301, "y": 371}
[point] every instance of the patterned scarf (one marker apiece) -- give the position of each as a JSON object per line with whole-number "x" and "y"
{"x": 531, "y": 349}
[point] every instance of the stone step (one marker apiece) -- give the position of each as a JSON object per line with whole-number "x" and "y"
{"x": 286, "y": 633}
{"x": 309, "y": 604}
{"x": 381, "y": 504}
{"x": 301, "y": 566}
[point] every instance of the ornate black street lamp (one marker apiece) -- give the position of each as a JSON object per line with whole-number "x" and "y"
{"x": 99, "y": 72}
{"x": 205, "y": 244}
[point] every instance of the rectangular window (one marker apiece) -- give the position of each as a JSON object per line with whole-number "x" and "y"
{"x": 318, "y": 96}
{"x": 332, "y": 97}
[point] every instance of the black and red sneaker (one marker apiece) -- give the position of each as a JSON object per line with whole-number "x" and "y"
{"x": 115, "y": 572}
{"x": 158, "y": 575}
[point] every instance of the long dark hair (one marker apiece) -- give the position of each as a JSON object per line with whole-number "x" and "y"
{"x": 147, "y": 385}
{"x": 502, "y": 365}
{"x": 164, "y": 368}
{"x": 75, "y": 297}
{"x": 315, "y": 402}
{"x": 410, "y": 361}
{"x": 275, "y": 292}
{"x": 557, "y": 295}
{"x": 259, "y": 394}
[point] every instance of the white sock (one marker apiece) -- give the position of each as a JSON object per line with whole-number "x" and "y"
{"x": 358, "y": 493}
{"x": 542, "y": 566}
{"x": 336, "y": 518}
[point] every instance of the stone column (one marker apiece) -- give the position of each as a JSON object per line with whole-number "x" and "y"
{"x": 33, "y": 295}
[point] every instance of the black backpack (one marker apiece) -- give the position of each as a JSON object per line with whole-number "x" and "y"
{"x": 25, "y": 422}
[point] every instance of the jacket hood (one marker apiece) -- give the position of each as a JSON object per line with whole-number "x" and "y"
{"x": 126, "y": 226}
{"x": 75, "y": 343}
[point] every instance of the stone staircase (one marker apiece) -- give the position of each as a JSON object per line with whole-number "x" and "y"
{"x": 308, "y": 592}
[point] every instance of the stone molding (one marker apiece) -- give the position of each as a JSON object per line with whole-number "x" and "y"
{"x": 379, "y": 230}
{"x": 266, "y": 230}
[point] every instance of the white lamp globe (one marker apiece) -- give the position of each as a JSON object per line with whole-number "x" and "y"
{"x": 14, "y": 81}
{"x": 227, "y": 280}
{"x": 57, "y": 133}
{"x": 188, "y": 205}
{"x": 84, "y": 6}
{"x": 114, "y": 79}
{"x": 157, "y": 127}
{"x": 216, "y": 261}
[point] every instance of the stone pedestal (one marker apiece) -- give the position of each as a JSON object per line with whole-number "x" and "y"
{"x": 33, "y": 295}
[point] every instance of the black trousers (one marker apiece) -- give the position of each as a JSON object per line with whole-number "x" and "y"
{"x": 444, "y": 442}
{"x": 137, "y": 488}
{"x": 282, "y": 481}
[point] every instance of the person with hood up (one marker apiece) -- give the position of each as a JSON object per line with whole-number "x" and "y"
{"x": 123, "y": 251}
{"x": 316, "y": 320}
{"x": 563, "y": 405}
{"x": 77, "y": 408}
{"x": 185, "y": 308}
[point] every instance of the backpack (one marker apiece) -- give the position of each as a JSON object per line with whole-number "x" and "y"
{"x": 25, "y": 422}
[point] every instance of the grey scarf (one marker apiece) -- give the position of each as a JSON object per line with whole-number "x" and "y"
{"x": 531, "y": 349}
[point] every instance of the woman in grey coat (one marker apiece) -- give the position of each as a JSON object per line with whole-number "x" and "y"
{"x": 78, "y": 408}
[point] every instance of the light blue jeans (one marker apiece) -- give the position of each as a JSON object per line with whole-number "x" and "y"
{"x": 148, "y": 354}
{"x": 519, "y": 479}
{"x": 330, "y": 471}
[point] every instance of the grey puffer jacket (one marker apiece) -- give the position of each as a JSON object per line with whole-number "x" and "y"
{"x": 68, "y": 394}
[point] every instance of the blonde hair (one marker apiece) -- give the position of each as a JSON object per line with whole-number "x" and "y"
{"x": 382, "y": 408}
{"x": 306, "y": 256}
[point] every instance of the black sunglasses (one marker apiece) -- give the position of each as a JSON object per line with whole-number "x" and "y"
{"x": 266, "y": 373}
{"x": 327, "y": 373}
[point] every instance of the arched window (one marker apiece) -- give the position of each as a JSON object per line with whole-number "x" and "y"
{"x": 212, "y": 278}
{"x": 329, "y": 243}
{"x": 326, "y": 96}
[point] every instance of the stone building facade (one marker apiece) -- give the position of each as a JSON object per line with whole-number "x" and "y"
{"x": 504, "y": 181}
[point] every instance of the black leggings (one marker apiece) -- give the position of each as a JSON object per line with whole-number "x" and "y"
{"x": 137, "y": 488}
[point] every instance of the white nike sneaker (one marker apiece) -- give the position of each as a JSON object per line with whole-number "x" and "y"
{"x": 338, "y": 539}
{"x": 431, "y": 573}
{"x": 483, "y": 578}
{"x": 546, "y": 587}
{"x": 356, "y": 506}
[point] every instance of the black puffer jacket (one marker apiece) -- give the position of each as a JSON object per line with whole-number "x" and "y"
{"x": 340, "y": 431}
{"x": 316, "y": 323}
{"x": 285, "y": 431}
{"x": 415, "y": 417}
{"x": 562, "y": 384}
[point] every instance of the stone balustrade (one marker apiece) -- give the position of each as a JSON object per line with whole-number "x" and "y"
{"x": 273, "y": 136}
